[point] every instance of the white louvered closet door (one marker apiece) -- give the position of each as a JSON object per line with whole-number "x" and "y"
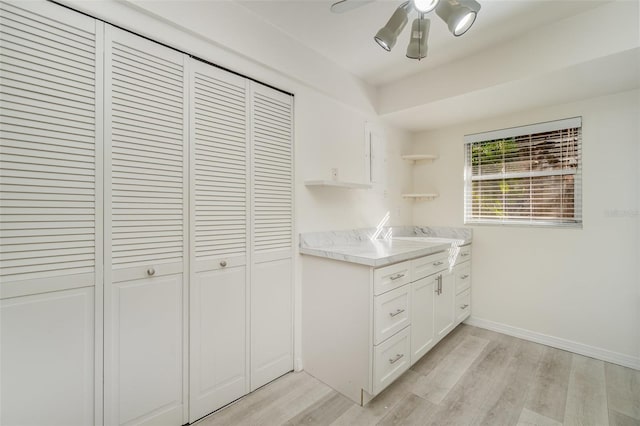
{"x": 146, "y": 257}
{"x": 272, "y": 234}
{"x": 219, "y": 239}
{"x": 50, "y": 234}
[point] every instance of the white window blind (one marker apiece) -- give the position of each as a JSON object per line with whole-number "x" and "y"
{"x": 528, "y": 175}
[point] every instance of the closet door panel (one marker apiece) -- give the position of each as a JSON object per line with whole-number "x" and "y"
{"x": 272, "y": 235}
{"x": 218, "y": 340}
{"x": 50, "y": 225}
{"x": 149, "y": 332}
{"x": 272, "y": 147}
{"x": 146, "y": 223}
{"x": 219, "y": 239}
{"x": 47, "y": 358}
{"x": 271, "y": 321}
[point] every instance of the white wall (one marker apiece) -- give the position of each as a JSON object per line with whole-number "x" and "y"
{"x": 573, "y": 288}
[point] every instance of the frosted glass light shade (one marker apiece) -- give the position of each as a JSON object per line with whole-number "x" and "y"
{"x": 424, "y": 6}
{"x": 417, "y": 48}
{"x": 459, "y": 15}
{"x": 388, "y": 35}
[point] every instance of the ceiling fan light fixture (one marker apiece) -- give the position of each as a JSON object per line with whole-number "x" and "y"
{"x": 417, "y": 48}
{"x": 387, "y": 36}
{"x": 425, "y": 6}
{"x": 459, "y": 15}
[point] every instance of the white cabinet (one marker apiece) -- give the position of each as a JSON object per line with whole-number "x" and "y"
{"x": 462, "y": 273}
{"x": 423, "y": 293}
{"x": 146, "y": 255}
{"x": 50, "y": 223}
{"x": 363, "y": 327}
{"x": 444, "y": 315}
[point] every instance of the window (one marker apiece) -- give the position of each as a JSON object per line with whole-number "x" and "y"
{"x": 528, "y": 175}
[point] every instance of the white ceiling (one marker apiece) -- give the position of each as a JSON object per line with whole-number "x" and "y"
{"x": 347, "y": 38}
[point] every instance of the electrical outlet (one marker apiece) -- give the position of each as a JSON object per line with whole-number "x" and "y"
{"x": 334, "y": 174}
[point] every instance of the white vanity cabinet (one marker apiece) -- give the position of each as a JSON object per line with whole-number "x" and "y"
{"x": 462, "y": 278}
{"x": 362, "y": 327}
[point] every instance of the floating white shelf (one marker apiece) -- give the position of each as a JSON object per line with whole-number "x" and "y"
{"x": 418, "y": 157}
{"x": 427, "y": 196}
{"x": 338, "y": 184}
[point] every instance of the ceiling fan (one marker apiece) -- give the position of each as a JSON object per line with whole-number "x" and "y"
{"x": 459, "y": 15}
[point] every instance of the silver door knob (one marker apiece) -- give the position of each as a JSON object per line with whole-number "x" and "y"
{"x": 223, "y": 263}
{"x": 151, "y": 271}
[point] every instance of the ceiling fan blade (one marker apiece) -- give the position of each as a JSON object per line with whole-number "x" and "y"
{"x": 347, "y": 5}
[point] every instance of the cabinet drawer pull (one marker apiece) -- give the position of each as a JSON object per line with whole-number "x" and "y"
{"x": 464, "y": 254}
{"x": 464, "y": 277}
{"x": 151, "y": 272}
{"x": 397, "y": 312}
{"x": 396, "y": 276}
{"x": 437, "y": 263}
{"x": 464, "y": 306}
{"x": 223, "y": 263}
{"x": 396, "y": 359}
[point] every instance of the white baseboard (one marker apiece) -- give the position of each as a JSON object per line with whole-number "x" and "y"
{"x": 556, "y": 342}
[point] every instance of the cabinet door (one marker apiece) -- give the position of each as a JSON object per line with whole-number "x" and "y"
{"x": 422, "y": 317}
{"x": 145, "y": 204}
{"x": 272, "y": 235}
{"x": 219, "y": 239}
{"x": 444, "y": 305}
{"x": 50, "y": 228}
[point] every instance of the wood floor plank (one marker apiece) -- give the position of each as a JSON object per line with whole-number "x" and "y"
{"x": 271, "y": 394}
{"x": 618, "y": 419}
{"x": 623, "y": 390}
{"x": 441, "y": 350}
{"x": 547, "y": 394}
{"x": 324, "y": 411}
{"x": 412, "y": 410}
{"x": 435, "y": 386}
{"x": 463, "y": 403}
{"x": 509, "y": 382}
{"x": 531, "y": 418}
{"x": 586, "y": 395}
{"x": 381, "y": 405}
{"x": 506, "y": 399}
{"x": 294, "y": 403}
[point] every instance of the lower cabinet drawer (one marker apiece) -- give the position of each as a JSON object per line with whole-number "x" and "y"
{"x": 391, "y": 313}
{"x": 463, "y": 277}
{"x": 390, "y": 359}
{"x": 463, "y": 305}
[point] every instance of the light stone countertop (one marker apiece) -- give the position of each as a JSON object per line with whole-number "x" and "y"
{"x": 369, "y": 247}
{"x": 377, "y": 252}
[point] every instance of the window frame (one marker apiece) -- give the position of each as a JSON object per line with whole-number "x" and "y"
{"x": 518, "y": 132}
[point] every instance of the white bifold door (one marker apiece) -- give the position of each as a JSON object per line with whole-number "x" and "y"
{"x": 241, "y": 237}
{"x": 219, "y": 238}
{"x": 146, "y": 254}
{"x": 50, "y": 220}
{"x": 146, "y": 224}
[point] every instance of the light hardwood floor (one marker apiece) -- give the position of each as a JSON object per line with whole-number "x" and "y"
{"x": 472, "y": 377}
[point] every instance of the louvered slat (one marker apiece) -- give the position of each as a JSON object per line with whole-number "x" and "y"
{"x": 146, "y": 113}
{"x": 47, "y": 146}
{"x": 272, "y": 170}
{"x": 219, "y": 163}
